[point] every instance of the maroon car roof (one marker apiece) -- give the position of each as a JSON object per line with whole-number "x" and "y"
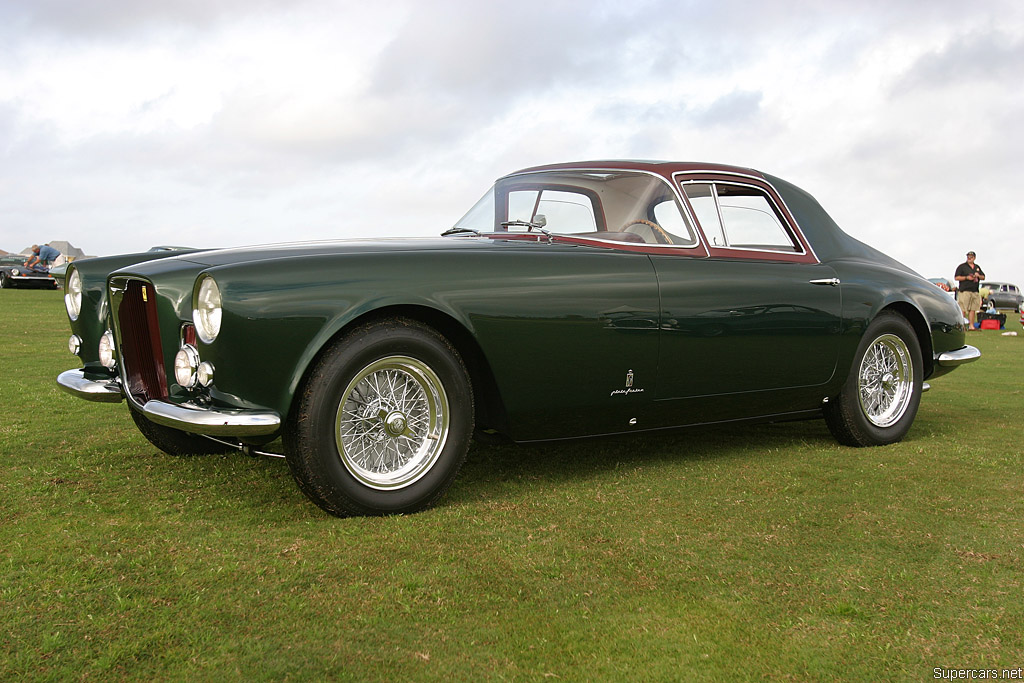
{"x": 665, "y": 168}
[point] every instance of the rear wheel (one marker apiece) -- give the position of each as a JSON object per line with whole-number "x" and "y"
{"x": 879, "y": 401}
{"x": 174, "y": 441}
{"x": 383, "y": 422}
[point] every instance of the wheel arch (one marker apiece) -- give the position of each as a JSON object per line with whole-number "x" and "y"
{"x": 924, "y": 338}
{"x": 490, "y": 409}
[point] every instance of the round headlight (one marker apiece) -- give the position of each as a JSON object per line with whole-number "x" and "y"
{"x": 186, "y": 362}
{"x": 74, "y": 344}
{"x": 107, "y": 350}
{"x": 207, "y": 312}
{"x": 73, "y": 294}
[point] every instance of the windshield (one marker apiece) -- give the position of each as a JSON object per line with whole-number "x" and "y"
{"x": 620, "y": 206}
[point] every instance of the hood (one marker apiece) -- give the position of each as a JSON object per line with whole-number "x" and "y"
{"x": 298, "y": 250}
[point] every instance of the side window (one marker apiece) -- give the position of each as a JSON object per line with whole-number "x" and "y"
{"x": 739, "y": 216}
{"x": 702, "y": 199}
{"x": 666, "y": 214}
{"x": 750, "y": 219}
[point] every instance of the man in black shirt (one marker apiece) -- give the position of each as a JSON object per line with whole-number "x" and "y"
{"x": 969, "y": 275}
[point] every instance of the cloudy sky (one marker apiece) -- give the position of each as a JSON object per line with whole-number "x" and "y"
{"x": 126, "y": 124}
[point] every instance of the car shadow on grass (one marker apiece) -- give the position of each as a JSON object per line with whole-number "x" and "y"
{"x": 494, "y": 467}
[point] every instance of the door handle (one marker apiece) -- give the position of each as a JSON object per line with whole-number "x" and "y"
{"x": 830, "y": 281}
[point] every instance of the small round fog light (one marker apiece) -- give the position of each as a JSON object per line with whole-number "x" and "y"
{"x": 106, "y": 350}
{"x": 204, "y": 374}
{"x": 185, "y": 363}
{"x": 74, "y": 344}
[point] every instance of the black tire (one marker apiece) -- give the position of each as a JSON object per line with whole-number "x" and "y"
{"x": 383, "y": 422}
{"x": 5, "y": 280}
{"x": 174, "y": 441}
{"x": 879, "y": 401}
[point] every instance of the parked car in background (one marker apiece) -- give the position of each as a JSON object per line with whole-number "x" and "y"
{"x": 12, "y": 260}
{"x": 1003, "y": 295}
{"x": 13, "y": 274}
{"x": 943, "y": 284}
{"x": 572, "y": 300}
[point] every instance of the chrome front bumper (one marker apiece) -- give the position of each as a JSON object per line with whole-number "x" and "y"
{"x": 212, "y": 421}
{"x": 951, "y": 359}
{"x": 186, "y": 417}
{"x": 75, "y": 383}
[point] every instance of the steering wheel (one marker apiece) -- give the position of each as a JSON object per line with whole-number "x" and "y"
{"x": 659, "y": 233}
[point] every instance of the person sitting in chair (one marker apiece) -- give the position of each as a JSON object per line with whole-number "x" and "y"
{"x": 41, "y": 259}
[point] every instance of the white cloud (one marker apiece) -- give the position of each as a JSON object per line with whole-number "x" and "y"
{"x": 222, "y": 122}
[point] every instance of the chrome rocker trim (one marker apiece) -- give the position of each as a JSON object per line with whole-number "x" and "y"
{"x": 212, "y": 421}
{"x": 951, "y": 359}
{"x": 75, "y": 383}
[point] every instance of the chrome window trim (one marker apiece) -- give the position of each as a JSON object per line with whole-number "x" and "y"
{"x": 791, "y": 219}
{"x": 673, "y": 187}
{"x": 781, "y": 215}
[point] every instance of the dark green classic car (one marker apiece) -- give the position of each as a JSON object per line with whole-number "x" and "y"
{"x": 573, "y": 300}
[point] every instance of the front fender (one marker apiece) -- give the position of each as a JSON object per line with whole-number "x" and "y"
{"x": 278, "y": 318}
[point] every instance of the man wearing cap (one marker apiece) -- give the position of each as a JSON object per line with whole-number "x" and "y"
{"x": 968, "y": 274}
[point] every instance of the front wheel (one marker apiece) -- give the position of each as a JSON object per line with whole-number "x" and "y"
{"x": 383, "y": 422}
{"x": 5, "y": 280}
{"x": 879, "y": 401}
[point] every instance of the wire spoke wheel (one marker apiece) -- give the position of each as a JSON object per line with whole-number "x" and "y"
{"x": 877, "y": 404}
{"x": 392, "y": 423}
{"x": 382, "y": 423}
{"x": 886, "y": 380}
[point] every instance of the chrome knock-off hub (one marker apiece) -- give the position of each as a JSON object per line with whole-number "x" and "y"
{"x": 395, "y": 423}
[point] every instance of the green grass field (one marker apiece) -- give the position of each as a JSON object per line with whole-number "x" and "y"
{"x": 766, "y": 552}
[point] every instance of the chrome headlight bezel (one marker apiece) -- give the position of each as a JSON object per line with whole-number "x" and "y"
{"x": 73, "y": 294}
{"x": 207, "y": 311}
{"x": 186, "y": 362}
{"x": 105, "y": 352}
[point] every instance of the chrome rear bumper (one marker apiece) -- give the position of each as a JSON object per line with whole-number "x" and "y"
{"x": 951, "y": 359}
{"x": 186, "y": 417}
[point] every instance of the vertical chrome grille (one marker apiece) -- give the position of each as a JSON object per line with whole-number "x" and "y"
{"x": 142, "y": 355}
